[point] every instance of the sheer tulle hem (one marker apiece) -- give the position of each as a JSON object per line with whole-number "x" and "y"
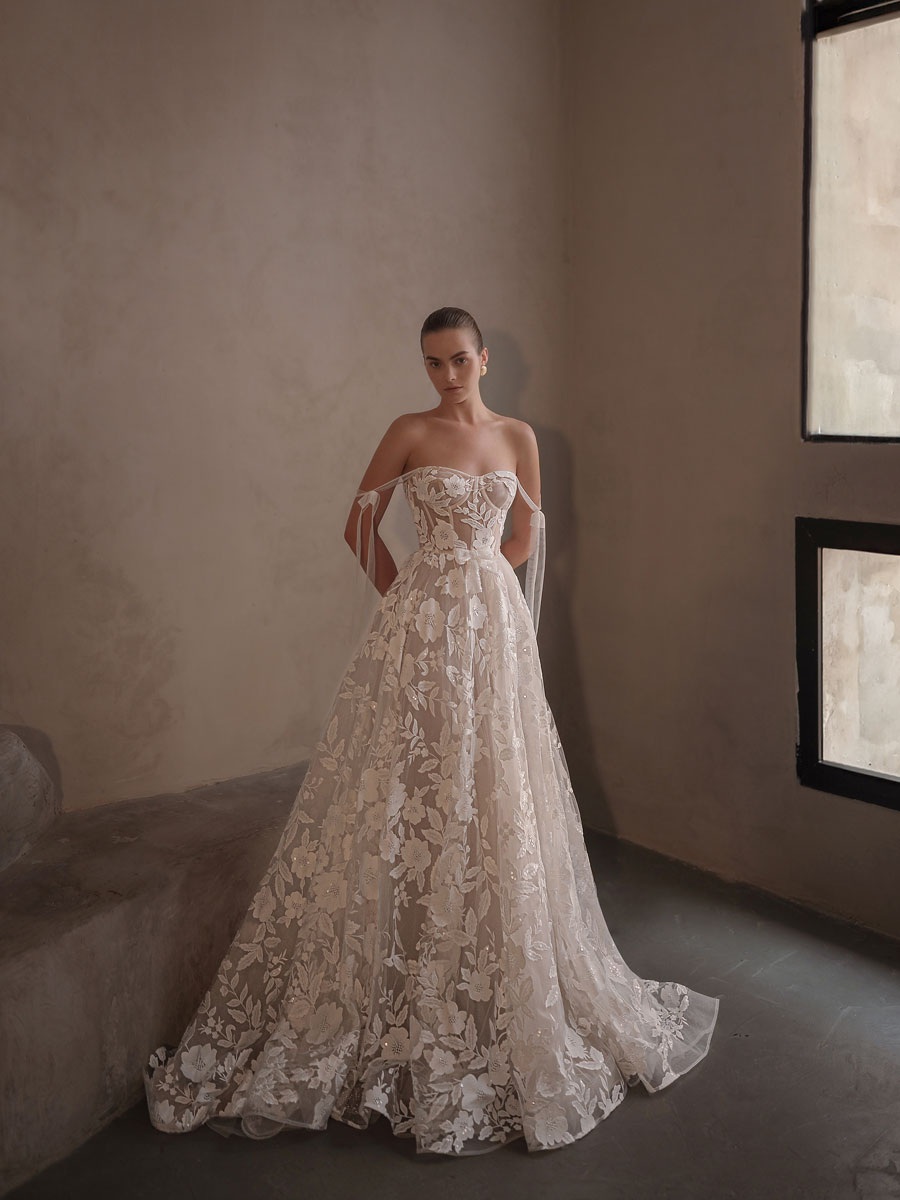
{"x": 690, "y": 1053}
{"x": 359, "y": 1105}
{"x": 246, "y": 1126}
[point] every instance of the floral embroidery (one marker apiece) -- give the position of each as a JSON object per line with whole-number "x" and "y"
{"x": 426, "y": 942}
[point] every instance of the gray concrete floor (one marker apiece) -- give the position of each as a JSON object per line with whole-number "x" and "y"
{"x": 799, "y": 1096}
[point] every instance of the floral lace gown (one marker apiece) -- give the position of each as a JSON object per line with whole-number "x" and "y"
{"x": 429, "y": 945}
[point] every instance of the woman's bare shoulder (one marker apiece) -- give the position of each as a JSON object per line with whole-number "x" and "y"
{"x": 521, "y": 435}
{"x": 405, "y": 428}
{"x": 414, "y": 420}
{"x": 392, "y": 451}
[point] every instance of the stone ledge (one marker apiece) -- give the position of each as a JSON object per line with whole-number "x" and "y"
{"x": 111, "y": 928}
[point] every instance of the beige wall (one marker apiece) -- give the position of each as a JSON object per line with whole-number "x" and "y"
{"x": 225, "y": 224}
{"x": 688, "y": 466}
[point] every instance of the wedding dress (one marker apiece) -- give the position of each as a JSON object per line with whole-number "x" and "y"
{"x": 427, "y": 942}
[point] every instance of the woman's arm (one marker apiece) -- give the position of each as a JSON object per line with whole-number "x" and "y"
{"x": 386, "y": 463}
{"x": 518, "y": 545}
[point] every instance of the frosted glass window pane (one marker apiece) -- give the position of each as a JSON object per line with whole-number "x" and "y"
{"x": 854, "y": 284}
{"x": 861, "y": 660}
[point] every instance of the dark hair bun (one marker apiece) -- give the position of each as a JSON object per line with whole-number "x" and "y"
{"x": 452, "y": 318}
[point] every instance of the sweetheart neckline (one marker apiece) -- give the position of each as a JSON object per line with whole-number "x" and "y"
{"x": 458, "y": 471}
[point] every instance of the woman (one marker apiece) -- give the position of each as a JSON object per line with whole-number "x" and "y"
{"x": 427, "y": 942}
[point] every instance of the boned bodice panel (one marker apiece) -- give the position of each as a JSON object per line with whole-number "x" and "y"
{"x": 456, "y": 512}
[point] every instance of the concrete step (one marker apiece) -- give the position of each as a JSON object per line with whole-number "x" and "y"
{"x": 111, "y": 928}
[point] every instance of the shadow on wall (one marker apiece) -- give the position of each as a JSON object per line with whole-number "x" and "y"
{"x": 561, "y": 661}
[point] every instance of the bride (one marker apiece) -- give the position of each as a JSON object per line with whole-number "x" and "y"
{"x": 427, "y": 942}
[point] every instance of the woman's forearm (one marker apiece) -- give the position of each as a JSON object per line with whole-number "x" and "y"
{"x": 515, "y": 551}
{"x": 385, "y": 567}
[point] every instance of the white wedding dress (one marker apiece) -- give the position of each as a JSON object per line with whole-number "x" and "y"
{"x": 427, "y": 942}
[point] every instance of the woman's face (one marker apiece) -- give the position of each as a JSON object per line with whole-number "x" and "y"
{"x": 452, "y": 363}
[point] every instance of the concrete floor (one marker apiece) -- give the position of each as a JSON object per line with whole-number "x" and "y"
{"x": 799, "y": 1096}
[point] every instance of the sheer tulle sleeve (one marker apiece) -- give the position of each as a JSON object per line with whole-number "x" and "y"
{"x": 372, "y": 516}
{"x": 366, "y": 501}
{"x": 534, "y": 571}
{"x": 364, "y": 595}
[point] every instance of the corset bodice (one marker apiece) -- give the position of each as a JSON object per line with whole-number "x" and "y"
{"x": 458, "y": 514}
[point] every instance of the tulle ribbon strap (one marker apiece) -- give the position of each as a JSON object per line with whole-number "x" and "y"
{"x": 367, "y": 500}
{"x": 534, "y": 572}
{"x": 362, "y": 597}
{"x": 402, "y": 540}
{"x": 537, "y": 550}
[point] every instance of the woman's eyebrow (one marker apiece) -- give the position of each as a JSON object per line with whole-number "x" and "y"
{"x": 434, "y": 357}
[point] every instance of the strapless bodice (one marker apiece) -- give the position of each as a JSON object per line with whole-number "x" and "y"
{"x": 458, "y": 514}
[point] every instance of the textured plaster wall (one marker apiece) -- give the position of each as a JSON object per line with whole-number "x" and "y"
{"x": 685, "y": 143}
{"x": 223, "y": 225}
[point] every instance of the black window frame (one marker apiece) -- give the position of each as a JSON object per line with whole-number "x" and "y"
{"x": 823, "y": 16}
{"x": 811, "y": 535}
